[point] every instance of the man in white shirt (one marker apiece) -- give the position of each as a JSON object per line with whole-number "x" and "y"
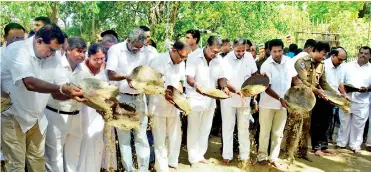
{"x": 32, "y": 69}
{"x": 166, "y": 118}
{"x": 64, "y": 133}
{"x": 203, "y": 71}
{"x": 238, "y": 66}
{"x": 193, "y": 38}
{"x": 122, "y": 59}
{"x": 358, "y": 74}
{"x": 273, "y": 114}
{"x": 322, "y": 112}
{"x": 308, "y": 48}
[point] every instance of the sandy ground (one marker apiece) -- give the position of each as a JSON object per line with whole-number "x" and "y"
{"x": 344, "y": 160}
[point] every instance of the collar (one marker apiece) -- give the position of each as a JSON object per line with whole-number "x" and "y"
{"x": 330, "y": 64}
{"x": 29, "y": 45}
{"x": 283, "y": 59}
{"x": 168, "y": 59}
{"x": 235, "y": 57}
{"x": 365, "y": 65}
{"x": 65, "y": 64}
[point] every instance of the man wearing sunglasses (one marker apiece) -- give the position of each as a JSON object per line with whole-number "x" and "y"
{"x": 30, "y": 73}
{"x": 122, "y": 59}
{"x": 166, "y": 117}
{"x": 203, "y": 71}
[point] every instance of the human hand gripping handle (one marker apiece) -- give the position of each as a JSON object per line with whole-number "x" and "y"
{"x": 168, "y": 96}
{"x": 128, "y": 79}
{"x": 73, "y": 91}
{"x": 283, "y": 102}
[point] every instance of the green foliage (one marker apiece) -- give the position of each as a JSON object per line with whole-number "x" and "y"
{"x": 257, "y": 21}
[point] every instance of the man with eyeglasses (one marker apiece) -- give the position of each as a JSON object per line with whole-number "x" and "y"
{"x": 238, "y": 66}
{"x": 333, "y": 69}
{"x": 203, "y": 71}
{"x": 64, "y": 133}
{"x": 30, "y": 73}
{"x": 122, "y": 59}
{"x": 166, "y": 122}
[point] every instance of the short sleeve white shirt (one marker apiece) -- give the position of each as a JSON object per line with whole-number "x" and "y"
{"x": 122, "y": 61}
{"x": 21, "y": 62}
{"x": 206, "y": 75}
{"x": 333, "y": 74}
{"x": 237, "y": 71}
{"x": 358, "y": 76}
{"x": 173, "y": 74}
{"x": 280, "y": 77}
{"x": 74, "y": 77}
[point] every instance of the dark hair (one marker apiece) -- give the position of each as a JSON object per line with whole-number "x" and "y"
{"x": 195, "y": 34}
{"x": 275, "y": 43}
{"x": 293, "y": 47}
{"x": 112, "y": 32}
{"x": 145, "y": 28}
{"x": 248, "y": 42}
{"x": 153, "y": 43}
{"x": 179, "y": 45}
{"x": 65, "y": 35}
{"x": 266, "y": 45}
{"x": 212, "y": 40}
{"x": 309, "y": 43}
{"x": 297, "y": 51}
{"x": 11, "y": 26}
{"x": 226, "y": 40}
{"x": 335, "y": 51}
{"x": 321, "y": 46}
{"x": 365, "y": 48}
{"x": 76, "y": 42}
{"x": 32, "y": 33}
{"x": 239, "y": 41}
{"x": 50, "y": 32}
{"x": 45, "y": 20}
{"x": 95, "y": 48}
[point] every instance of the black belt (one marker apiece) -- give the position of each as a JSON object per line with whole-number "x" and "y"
{"x": 130, "y": 94}
{"x": 62, "y": 112}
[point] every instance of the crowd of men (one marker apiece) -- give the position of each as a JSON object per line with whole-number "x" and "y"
{"x": 48, "y": 128}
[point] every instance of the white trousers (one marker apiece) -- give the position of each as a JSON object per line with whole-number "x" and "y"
{"x": 166, "y": 150}
{"x": 368, "y": 142}
{"x": 63, "y": 142}
{"x": 272, "y": 123}
{"x": 92, "y": 143}
{"x": 140, "y": 136}
{"x": 198, "y": 131}
{"x": 352, "y": 126}
{"x": 228, "y": 123}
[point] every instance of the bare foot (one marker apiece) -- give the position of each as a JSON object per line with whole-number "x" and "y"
{"x": 277, "y": 165}
{"x": 264, "y": 162}
{"x": 204, "y": 161}
{"x": 357, "y": 151}
{"x": 328, "y": 151}
{"x": 226, "y": 161}
{"x": 318, "y": 153}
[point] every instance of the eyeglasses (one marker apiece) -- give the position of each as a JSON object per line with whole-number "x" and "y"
{"x": 181, "y": 56}
{"x": 99, "y": 59}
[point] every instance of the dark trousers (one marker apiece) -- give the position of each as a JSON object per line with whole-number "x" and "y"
{"x": 321, "y": 118}
{"x": 334, "y": 122}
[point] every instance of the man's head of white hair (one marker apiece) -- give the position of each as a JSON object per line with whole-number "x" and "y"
{"x": 137, "y": 35}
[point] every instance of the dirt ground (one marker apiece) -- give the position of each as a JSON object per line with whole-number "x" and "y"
{"x": 343, "y": 161}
